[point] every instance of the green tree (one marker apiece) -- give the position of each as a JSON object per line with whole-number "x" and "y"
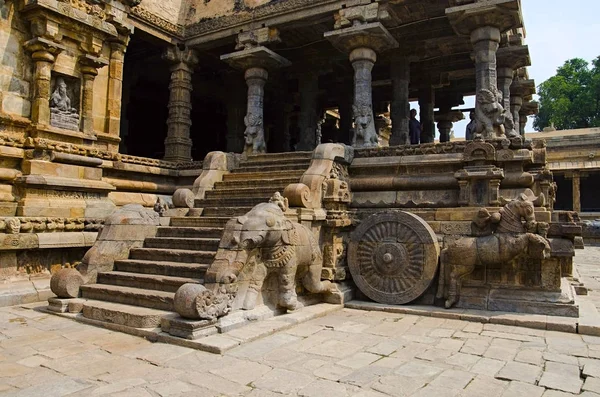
{"x": 571, "y": 99}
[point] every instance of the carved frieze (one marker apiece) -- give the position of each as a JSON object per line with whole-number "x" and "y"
{"x": 17, "y": 225}
{"x": 158, "y": 22}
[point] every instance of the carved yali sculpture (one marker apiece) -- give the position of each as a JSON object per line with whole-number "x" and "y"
{"x": 393, "y": 257}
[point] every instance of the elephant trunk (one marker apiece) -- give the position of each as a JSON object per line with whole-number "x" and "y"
{"x": 252, "y": 242}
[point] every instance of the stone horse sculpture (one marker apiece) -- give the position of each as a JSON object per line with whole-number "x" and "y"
{"x": 513, "y": 237}
{"x": 273, "y": 243}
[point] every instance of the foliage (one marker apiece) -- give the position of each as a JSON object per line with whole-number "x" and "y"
{"x": 571, "y": 98}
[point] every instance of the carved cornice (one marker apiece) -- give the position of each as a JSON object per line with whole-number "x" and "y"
{"x": 158, "y": 22}
{"x": 246, "y": 14}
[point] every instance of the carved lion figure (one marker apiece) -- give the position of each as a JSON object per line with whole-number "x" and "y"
{"x": 364, "y": 129}
{"x": 273, "y": 243}
{"x": 489, "y": 115}
{"x": 254, "y": 134}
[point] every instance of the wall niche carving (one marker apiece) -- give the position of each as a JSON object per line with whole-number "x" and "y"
{"x": 64, "y": 102}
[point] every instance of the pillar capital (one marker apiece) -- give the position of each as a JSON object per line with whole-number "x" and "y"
{"x": 513, "y": 57}
{"x": 178, "y": 56}
{"x": 42, "y": 49}
{"x": 499, "y": 14}
{"x": 89, "y": 65}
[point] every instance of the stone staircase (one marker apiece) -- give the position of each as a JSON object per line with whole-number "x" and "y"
{"x": 139, "y": 291}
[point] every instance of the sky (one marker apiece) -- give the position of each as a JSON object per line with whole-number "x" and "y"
{"x": 555, "y": 32}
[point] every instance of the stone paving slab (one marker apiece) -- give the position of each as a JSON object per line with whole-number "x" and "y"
{"x": 343, "y": 353}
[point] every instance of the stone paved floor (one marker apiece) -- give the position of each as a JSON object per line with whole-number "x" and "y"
{"x": 348, "y": 353}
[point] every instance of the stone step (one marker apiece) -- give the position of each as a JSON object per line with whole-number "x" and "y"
{"x": 196, "y": 244}
{"x": 205, "y": 221}
{"x": 283, "y": 161}
{"x": 263, "y": 175}
{"x": 163, "y": 268}
{"x": 228, "y": 211}
{"x": 190, "y": 232}
{"x": 145, "y": 281}
{"x": 244, "y": 192}
{"x": 256, "y": 183}
{"x": 271, "y": 167}
{"x": 153, "y": 299}
{"x": 172, "y": 255}
{"x": 228, "y": 202}
{"x": 118, "y": 313}
{"x": 280, "y": 156}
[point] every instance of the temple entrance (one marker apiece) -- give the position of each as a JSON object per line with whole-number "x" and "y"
{"x": 145, "y": 97}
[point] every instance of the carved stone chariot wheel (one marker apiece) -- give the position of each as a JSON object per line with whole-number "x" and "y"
{"x": 393, "y": 257}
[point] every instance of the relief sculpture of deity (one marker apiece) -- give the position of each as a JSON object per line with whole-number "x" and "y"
{"x": 62, "y": 113}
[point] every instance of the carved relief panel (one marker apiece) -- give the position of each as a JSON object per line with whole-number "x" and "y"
{"x": 64, "y": 102}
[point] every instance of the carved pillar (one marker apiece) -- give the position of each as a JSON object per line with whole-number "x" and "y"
{"x": 444, "y": 127}
{"x": 483, "y": 22}
{"x": 426, "y": 107}
{"x": 178, "y": 145}
{"x": 486, "y": 41}
{"x": 515, "y": 107}
{"x": 255, "y": 59}
{"x": 309, "y": 95}
{"x": 88, "y": 66}
{"x": 521, "y": 91}
{"x": 358, "y": 32}
{"x": 43, "y": 54}
{"x": 505, "y": 79}
{"x": 256, "y": 79}
{"x": 115, "y": 87}
{"x": 522, "y": 124}
{"x": 400, "y": 107}
{"x": 576, "y": 191}
{"x": 363, "y": 59}
{"x": 236, "y": 98}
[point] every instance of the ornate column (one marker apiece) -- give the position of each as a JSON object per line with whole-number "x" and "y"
{"x": 426, "y": 107}
{"x": 359, "y": 33}
{"x": 510, "y": 59}
{"x": 484, "y": 23}
{"x": 400, "y": 106}
{"x": 178, "y": 145}
{"x": 528, "y": 108}
{"x": 255, "y": 59}
{"x": 88, "y": 65}
{"x": 445, "y": 120}
{"x": 576, "y": 191}
{"x": 115, "y": 87}
{"x": 43, "y": 53}
{"x": 520, "y": 89}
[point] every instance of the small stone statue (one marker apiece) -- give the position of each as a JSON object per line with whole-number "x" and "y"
{"x": 62, "y": 113}
{"x": 489, "y": 115}
{"x": 60, "y": 101}
{"x": 254, "y": 135}
{"x": 364, "y": 129}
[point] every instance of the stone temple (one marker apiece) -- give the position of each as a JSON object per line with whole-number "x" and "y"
{"x": 194, "y": 165}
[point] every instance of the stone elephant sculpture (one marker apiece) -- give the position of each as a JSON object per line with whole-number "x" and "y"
{"x": 460, "y": 257}
{"x": 273, "y": 243}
